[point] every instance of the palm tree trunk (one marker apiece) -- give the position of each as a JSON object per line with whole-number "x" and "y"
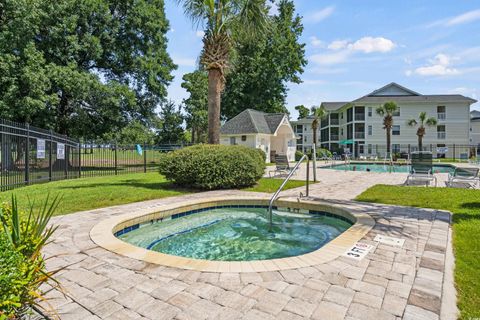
{"x": 388, "y": 139}
{"x": 215, "y": 85}
{"x": 420, "y": 143}
{"x": 315, "y": 128}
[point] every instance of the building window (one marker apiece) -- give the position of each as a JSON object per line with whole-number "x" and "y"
{"x": 370, "y": 130}
{"x": 441, "y": 132}
{"x": 441, "y": 113}
{"x": 395, "y": 130}
{"x": 369, "y": 149}
{"x": 341, "y": 131}
{"x": 305, "y": 129}
{"x": 305, "y": 139}
{"x": 370, "y": 111}
{"x": 233, "y": 141}
{"x": 244, "y": 138}
{"x": 299, "y": 128}
{"x": 395, "y": 148}
{"x": 396, "y": 113}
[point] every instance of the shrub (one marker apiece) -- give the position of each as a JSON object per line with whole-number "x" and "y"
{"x": 213, "y": 166}
{"x": 22, "y": 237}
{"x": 298, "y": 155}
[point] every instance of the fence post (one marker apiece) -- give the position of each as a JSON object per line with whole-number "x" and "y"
{"x": 67, "y": 156}
{"x": 116, "y": 170}
{"x": 144, "y": 157}
{"x": 50, "y": 158}
{"x": 27, "y": 156}
{"x": 79, "y": 159}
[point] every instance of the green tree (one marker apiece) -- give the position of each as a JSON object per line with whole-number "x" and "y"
{"x": 67, "y": 64}
{"x": 226, "y": 22}
{"x": 318, "y": 114}
{"x": 303, "y": 111}
{"x": 170, "y": 128}
{"x": 264, "y": 67}
{"x": 386, "y": 111}
{"x": 134, "y": 133}
{"x": 196, "y": 105}
{"x": 423, "y": 121}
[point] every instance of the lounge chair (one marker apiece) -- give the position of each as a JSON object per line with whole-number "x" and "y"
{"x": 282, "y": 166}
{"x": 421, "y": 169}
{"x": 464, "y": 177}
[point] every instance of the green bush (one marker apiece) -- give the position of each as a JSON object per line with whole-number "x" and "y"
{"x": 298, "y": 155}
{"x": 214, "y": 166}
{"x": 22, "y": 268}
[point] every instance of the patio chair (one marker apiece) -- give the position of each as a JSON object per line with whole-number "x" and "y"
{"x": 421, "y": 168}
{"x": 282, "y": 166}
{"x": 464, "y": 177}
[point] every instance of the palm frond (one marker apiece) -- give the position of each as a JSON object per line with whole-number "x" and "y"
{"x": 380, "y": 111}
{"x": 412, "y": 122}
{"x": 431, "y": 122}
{"x": 390, "y": 107}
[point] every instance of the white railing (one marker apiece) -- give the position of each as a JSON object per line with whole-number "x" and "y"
{"x": 441, "y": 115}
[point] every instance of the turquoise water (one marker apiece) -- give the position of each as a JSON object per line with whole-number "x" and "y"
{"x": 377, "y": 167}
{"x": 238, "y": 234}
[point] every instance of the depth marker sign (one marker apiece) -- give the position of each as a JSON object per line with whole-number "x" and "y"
{"x": 358, "y": 251}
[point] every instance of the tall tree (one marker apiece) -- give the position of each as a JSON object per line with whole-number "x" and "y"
{"x": 67, "y": 64}
{"x": 171, "y": 121}
{"x": 303, "y": 111}
{"x": 386, "y": 111}
{"x": 264, "y": 67}
{"x": 196, "y": 105}
{"x": 423, "y": 121}
{"x": 226, "y": 22}
{"x": 318, "y": 114}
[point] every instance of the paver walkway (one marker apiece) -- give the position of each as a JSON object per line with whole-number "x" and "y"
{"x": 389, "y": 283}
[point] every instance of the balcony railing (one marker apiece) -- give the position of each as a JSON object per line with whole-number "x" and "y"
{"x": 441, "y": 115}
{"x": 334, "y": 137}
{"x": 334, "y": 122}
{"x": 360, "y": 117}
{"x": 441, "y": 135}
{"x": 359, "y": 135}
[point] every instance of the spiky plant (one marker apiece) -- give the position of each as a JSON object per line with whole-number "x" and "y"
{"x": 386, "y": 111}
{"x": 225, "y": 22}
{"x": 423, "y": 121}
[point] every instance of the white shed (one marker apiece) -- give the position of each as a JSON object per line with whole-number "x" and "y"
{"x": 270, "y": 132}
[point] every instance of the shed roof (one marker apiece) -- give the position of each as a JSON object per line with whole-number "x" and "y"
{"x": 252, "y": 121}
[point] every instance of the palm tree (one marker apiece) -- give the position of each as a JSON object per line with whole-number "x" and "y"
{"x": 424, "y": 121}
{"x": 318, "y": 114}
{"x": 386, "y": 111}
{"x": 225, "y": 21}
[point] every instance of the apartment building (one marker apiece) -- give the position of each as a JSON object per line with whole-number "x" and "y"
{"x": 356, "y": 126}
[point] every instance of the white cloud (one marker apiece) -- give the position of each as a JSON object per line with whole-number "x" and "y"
{"x": 184, "y": 62}
{"x": 330, "y": 58}
{"x": 338, "y": 44}
{"x": 440, "y": 65}
{"x": 370, "y": 44}
{"x": 200, "y": 33}
{"x": 320, "y": 15}
{"x": 466, "y": 17}
{"x": 315, "y": 42}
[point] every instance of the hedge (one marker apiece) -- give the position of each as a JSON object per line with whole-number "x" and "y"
{"x": 212, "y": 167}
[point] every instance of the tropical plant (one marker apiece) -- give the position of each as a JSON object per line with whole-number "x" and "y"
{"x": 386, "y": 111}
{"x": 423, "y": 121}
{"x": 22, "y": 238}
{"x": 225, "y": 21}
{"x": 318, "y": 114}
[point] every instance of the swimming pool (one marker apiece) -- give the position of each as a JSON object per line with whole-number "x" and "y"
{"x": 237, "y": 233}
{"x": 380, "y": 167}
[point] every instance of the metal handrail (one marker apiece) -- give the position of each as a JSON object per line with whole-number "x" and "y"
{"x": 275, "y": 195}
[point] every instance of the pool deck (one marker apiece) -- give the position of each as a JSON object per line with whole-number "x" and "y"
{"x": 414, "y": 281}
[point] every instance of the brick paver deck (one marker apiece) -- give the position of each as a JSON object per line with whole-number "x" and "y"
{"x": 389, "y": 283}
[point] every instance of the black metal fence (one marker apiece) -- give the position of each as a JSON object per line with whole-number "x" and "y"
{"x": 30, "y": 155}
{"x": 33, "y": 155}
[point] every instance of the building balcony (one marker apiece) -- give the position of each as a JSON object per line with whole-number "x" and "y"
{"x": 441, "y": 135}
{"x": 334, "y": 137}
{"x": 359, "y": 135}
{"x": 360, "y": 117}
{"x": 334, "y": 122}
{"x": 441, "y": 116}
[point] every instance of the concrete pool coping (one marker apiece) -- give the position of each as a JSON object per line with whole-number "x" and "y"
{"x": 103, "y": 235}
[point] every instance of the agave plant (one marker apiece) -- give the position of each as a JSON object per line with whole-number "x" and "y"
{"x": 25, "y": 238}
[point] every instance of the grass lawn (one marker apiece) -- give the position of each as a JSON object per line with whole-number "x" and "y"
{"x": 465, "y": 206}
{"x": 91, "y": 193}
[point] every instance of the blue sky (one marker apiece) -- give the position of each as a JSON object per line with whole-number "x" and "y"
{"x": 354, "y": 47}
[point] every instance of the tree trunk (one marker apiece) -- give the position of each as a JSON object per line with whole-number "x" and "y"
{"x": 314, "y": 129}
{"x": 215, "y": 85}
{"x": 388, "y": 140}
{"x": 420, "y": 142}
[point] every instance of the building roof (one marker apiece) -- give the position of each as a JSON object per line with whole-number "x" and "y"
{"x": 475, "y": 115}
{"x": 332, "y": 106}
{"x": 252, "y": 121}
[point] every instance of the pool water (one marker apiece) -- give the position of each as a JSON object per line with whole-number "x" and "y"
{"x": 238, "y": 234}
{"x": 379, "y": 167}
